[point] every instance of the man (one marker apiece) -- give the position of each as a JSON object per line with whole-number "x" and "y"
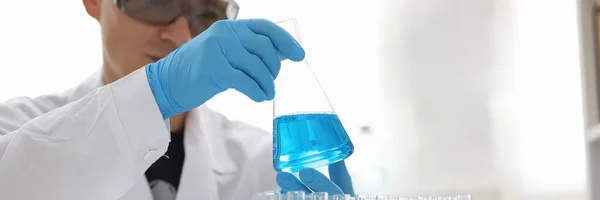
{"x": 108, "y": 138}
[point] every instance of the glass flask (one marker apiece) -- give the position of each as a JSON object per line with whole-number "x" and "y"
{"x": 307, "y": 133}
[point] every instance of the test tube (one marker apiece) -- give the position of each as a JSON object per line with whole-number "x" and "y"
{"x": 319, "y": 196}
{"x": 463, "y": 197}
{"x": 341, "y": 197}
{"x": 295, "y": 195}
{"x": 271, "y": 195}
{"x": 382, "y": 197}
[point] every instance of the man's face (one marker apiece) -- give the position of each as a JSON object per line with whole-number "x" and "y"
{"x": 129, "y": 44}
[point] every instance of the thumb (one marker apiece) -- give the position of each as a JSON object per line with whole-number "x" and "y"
{"x": 283, "y": 41}
{"x": 318, "y": 182}
{"x": 340, "y": 176}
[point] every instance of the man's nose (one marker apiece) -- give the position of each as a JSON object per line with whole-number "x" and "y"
{"x": 178, "y": 32}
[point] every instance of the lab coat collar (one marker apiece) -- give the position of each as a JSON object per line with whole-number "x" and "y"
{"x": 205, "y": 152}
{"x": 197, "y": 177}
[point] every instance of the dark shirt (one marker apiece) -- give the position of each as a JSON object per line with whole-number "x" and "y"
{"x": 164, "y": 175}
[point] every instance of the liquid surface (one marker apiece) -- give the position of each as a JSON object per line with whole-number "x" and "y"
{"x": 309, "y": 141}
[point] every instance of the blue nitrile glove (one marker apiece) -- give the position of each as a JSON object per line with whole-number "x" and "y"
{"x": 240, "y": 54}
{"x": 312, "y": 180}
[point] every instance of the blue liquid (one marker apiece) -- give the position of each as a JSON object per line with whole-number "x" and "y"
{"x": 309, "y": 141}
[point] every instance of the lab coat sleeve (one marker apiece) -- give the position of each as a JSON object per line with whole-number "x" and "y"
{"x": 95, "y": 148}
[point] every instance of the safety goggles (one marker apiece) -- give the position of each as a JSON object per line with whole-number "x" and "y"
{"x": 200, "y": 14}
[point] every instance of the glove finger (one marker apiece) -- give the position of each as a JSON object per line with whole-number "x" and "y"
{"x": 239, "y": 58}
{"x": 254, "y": 67}
{"x": 289, "y": 182}
{"x": 318, "y": 182}
{"x": 246, "y": 85}
{"x": 282, "y": 40}
{"x": 260, "y": 46}
{"x": 340, "y": 176}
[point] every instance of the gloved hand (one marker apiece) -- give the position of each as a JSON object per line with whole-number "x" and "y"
{"x": 240, "y": 54}
{"x": 312, "y": 180}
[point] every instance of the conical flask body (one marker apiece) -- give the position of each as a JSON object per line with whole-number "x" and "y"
{"x": 307, "y": 133}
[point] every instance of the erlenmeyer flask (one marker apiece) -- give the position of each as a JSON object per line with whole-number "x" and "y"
{"x": 307, "y": 133}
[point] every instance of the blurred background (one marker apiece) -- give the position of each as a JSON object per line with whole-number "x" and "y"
{"x": 477, "y": 97}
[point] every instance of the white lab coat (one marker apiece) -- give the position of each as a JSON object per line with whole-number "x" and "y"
{"x": 96, "y": 142}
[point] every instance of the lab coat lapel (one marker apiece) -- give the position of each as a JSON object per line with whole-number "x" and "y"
{"x": 197, "y": 178}
{"x": 141, "y": 191}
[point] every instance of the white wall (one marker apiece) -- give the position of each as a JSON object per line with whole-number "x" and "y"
{"x": 439, "y": 58}
{"x": 485, "y": 96}
{"x": 546, "y": 112}
{"x": 38, "y": 39}
{"x": 461, "y": 96}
